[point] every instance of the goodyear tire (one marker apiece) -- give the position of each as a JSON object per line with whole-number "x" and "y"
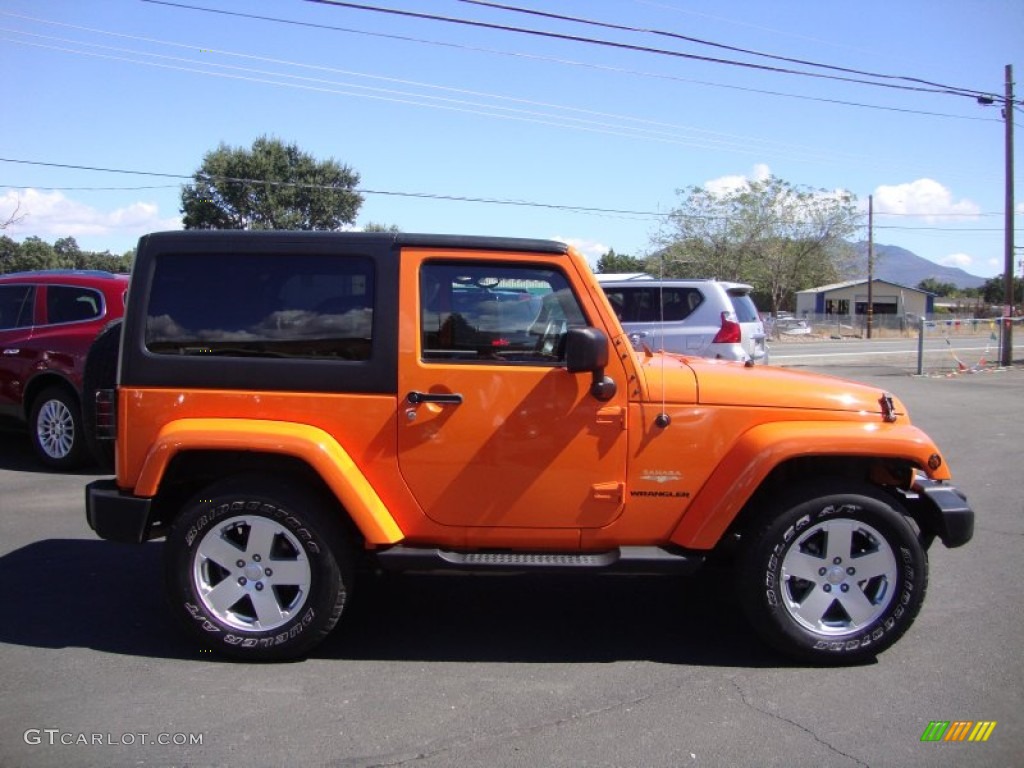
{"x": 55, "y": 424}
{"x": 835, "y": 577}
{"x": 257, "y": 570}
{"x": 100, "y": 372}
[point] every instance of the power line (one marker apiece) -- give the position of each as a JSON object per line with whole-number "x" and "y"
{"x": 513, "y": 54}
{"x": 435, "y": 196}
{"x": 749, "y": 25}
{"x": 941, "y": 229}
{"x": 358, "y": 190}
{"x": 625, "y": 46}
{"x": 658, "y": 130}
{"x": 91, "y": 189}
{"x": 710, "y": 140}
{"x": 722, "y": 46}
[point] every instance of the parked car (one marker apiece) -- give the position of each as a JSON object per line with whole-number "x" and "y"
{"x": 48, "y": 321}
{"x": 703, "y": 318}
{"x": 786, "y": 324}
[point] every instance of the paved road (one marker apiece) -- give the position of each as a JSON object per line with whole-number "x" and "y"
{"x": 498, "y": 671}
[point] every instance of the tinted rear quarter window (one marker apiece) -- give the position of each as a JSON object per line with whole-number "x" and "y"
{"x": 262, "y": 305}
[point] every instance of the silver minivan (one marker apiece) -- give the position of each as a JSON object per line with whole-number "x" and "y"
{"x": 705, "y": 318}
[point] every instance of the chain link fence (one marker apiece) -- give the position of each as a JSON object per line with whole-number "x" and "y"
{"x": 969, "y": 359}
{"x": 904, "y": 345}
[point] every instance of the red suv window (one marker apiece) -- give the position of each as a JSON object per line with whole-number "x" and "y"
{"x": 72, "y": 304}
{"x": 16, "y": 306}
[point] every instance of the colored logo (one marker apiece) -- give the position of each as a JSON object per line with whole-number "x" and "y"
{"x": 958, "y": 730}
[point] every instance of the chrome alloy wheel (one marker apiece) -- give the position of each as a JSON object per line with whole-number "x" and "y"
{"x": 838, "y": 576}
{"x": 251, "y": 573}
{"x": 55, "y": 429}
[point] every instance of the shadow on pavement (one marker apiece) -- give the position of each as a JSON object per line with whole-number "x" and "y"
{"x": 540, "y": 618}
{"x": 17, "y": 455}
{"x": 109, "y": 597}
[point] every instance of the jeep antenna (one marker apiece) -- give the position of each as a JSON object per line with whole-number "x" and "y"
{"x": 662, "y": 420}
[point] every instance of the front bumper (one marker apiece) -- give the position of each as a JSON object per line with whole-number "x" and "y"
{"x": 115, "y": 515}
{"x": 941, "y": 510}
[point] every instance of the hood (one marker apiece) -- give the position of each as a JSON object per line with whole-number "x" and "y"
{"x": 721, "y": 382}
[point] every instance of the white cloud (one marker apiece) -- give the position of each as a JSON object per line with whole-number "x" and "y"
{"x": 592, "y": 249}
{"x": 925, "y": 198}
{"x": 726, "y": 184}
{"x": 962, "y": 260}
{"x": 51, "y": 215}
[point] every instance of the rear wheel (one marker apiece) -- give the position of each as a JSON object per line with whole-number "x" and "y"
{"x": 55, "y": 423}
{"x": 258, "y": 570}
{"x": 834, "y": 577}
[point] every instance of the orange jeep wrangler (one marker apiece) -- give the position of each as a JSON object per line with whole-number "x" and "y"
{"x": 292, "y": 409}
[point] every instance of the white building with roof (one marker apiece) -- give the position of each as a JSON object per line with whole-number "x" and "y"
{"x": 851, "y": 299}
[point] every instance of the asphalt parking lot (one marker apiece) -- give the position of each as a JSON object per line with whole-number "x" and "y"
{"x": 514, "y": 671}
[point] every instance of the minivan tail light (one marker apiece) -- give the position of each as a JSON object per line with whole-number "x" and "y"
{"x": 729, "y": 333}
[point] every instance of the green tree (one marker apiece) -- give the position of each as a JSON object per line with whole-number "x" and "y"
{"x": 270, "y": 186}
{"x": 375, "y": 227}
{"x": 107, "y": 261}
{"x": 65, "y": 253}
{"x": 994, "y": 290}
{"x": 69, "y": 255}
{"x": 9, "y": 251}
{"x": 778, "y": 237}
{"x": 937, "y": 287}
{"x": 619, "y": 262}
{"x": 34, "y": 253}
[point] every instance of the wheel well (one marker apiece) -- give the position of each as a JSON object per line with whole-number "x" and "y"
{"x": 191, "y": 471}
{"x": 883, "y": 473}
{"x": 42, "y": 382}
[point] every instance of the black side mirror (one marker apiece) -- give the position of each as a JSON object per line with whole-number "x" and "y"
{"x": 586, "y": 351}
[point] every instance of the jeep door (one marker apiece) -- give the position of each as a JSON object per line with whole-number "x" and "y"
{"x": 493, "y": 430}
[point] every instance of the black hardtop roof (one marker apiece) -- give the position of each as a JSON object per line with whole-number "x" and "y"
{"x": 203, "y": 238}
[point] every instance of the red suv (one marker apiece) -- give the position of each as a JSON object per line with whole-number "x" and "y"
{"x": 48, "y": 321}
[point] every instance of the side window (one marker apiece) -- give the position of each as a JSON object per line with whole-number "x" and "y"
{"x": 72, "y": 304}
{"x": 640, "y": 304}
{"x": 490, "y": 312}
{"x": 262, "y": 305}
{"x": 16, "y": 306}
{"x": 679, "y": 303}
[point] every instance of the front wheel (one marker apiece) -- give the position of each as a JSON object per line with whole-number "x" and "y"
{"x": 834, "y": 577}
{"x": 257, "y": 570}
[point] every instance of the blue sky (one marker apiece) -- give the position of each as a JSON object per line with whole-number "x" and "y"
{"x": 417, "y": 106}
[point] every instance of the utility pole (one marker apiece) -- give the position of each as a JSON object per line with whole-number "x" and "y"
{"x": 1007, "y": 351}
{"x": 871, "y": 264}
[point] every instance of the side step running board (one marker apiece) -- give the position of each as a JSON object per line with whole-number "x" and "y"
{"x": 623, "y": 560}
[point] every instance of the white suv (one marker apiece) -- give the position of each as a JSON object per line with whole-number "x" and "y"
{"x": 705, "y": 318}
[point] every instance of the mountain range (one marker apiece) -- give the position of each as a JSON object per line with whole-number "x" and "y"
{"x": 898, "y": 265}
